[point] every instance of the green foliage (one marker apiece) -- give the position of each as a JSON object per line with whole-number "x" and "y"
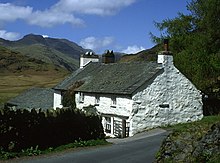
{"x": 215, "y": 158}
{"x": 69, "y": 95}
{"x": 205, "y": 123}
{"x": 31, "y": 151}
{"x": 6, "y": 155}
{"x": 195, "y": 42}
{"x": 81, "y": 143}
{"x": 36, "y": 151}
{"x": 34, "y": 131}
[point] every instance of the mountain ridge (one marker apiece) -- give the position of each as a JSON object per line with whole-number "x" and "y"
{"x": 144, "y": 55}
{"x": 50, "y": 50}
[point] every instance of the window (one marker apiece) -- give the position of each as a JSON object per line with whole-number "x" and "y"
{"x": 81, "y": 97}
{"x": 165, "y": 105}
{"x": 108, "y": 124}
{"x": 97, "y": 99}
{"x": 113, "y": 101}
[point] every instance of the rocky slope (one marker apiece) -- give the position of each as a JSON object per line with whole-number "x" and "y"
{"x": 197, "y": 142}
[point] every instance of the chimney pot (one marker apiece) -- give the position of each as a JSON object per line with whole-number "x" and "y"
{"x": 108, "y": 57}
{"x": 166, "y": 45}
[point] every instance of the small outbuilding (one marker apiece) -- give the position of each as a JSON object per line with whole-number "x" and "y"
{"x": 33, "y": 98}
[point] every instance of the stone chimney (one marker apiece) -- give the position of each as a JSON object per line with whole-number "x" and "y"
{"x": 108, "y": 57}
{"x": 165, "y": 57}
{"x": 87, "y": 58}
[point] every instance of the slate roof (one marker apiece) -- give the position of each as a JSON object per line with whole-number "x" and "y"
{"x": 115, "y": 78}
{"x": 33, "y": 98}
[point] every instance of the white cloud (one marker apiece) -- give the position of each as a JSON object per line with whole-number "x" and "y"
{"x": 97, "y": 7}
{"x": 96, "y": 43}
{"x": 132, "y": 49}
{"x": 49, "y": 18}
{"x": 64, "y": 11}
{"x": 10, "y": 12}
{"x": 9, "y": 35}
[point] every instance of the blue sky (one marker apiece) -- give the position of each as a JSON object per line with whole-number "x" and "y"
{"x": 119, "y": 25}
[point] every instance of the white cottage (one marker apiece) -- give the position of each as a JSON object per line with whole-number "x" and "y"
{"x": 132, "y": 97}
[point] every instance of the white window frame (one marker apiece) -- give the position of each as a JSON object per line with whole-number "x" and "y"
{"x": 108, "y": 124}
{"x": 114, "y": 102}
{"x": 81, "y": 97}
{"x": 97, "y": 99}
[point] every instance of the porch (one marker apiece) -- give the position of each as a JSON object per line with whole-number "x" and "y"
{"x": 115, "y": 126}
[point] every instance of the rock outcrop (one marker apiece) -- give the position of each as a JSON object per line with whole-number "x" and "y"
{"x": 191, "y": 146}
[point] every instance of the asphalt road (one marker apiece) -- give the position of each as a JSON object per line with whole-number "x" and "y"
{"x": 138, "y": 149}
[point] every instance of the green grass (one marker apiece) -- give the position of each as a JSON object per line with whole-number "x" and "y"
{"x": 205, "y": 124}
{"x": 11, "y": 84}
{"x": 198, "y": 129}
{"x": 78, "y": 144}
{"x": 34, "y": 151}
{"x": 45, "y": 54}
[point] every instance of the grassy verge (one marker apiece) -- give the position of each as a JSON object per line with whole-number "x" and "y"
{"x": 34, "y": 151}
{"x": 204, "y": 124}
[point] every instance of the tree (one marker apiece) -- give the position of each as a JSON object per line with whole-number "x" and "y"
{"x": 195, "y": 42}
{"x": 69, "y": 95}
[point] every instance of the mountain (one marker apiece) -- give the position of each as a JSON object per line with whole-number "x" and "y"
{"x": 59, "y": 52}
{"x": 13, "y": 62}
{"x": 145, "y": 55}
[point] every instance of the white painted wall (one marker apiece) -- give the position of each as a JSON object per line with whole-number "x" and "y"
{"x": 123, "y": 105}
{"x": 160, "y": 58}
{"x": 57, "y": 102}
{"x": 172, "y": 88}
{"x": 84, "y": 61}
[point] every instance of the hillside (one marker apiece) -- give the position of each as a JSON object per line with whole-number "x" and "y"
{"x": 145, "y": 55}
{"x": 59, "y": 52}
{"x": 15, "y": 62}
{"x": 19, "y": 72}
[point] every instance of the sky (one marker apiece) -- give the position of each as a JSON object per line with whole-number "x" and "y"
{"x": 118, "y": 25}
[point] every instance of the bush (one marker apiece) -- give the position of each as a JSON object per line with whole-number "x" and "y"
{"x": 23, "y": 129}
{"x": 211, "y": 106}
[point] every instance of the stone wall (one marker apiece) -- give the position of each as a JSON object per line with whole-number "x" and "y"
{"x": 170, "y": 99}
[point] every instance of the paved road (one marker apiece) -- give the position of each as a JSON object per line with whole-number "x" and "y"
{"x": 138, "y": 149}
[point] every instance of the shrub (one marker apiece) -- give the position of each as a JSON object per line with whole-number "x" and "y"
{"x": 23, "y": 129}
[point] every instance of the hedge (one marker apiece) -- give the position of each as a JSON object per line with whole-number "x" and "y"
{"x": 22, "y": 129}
